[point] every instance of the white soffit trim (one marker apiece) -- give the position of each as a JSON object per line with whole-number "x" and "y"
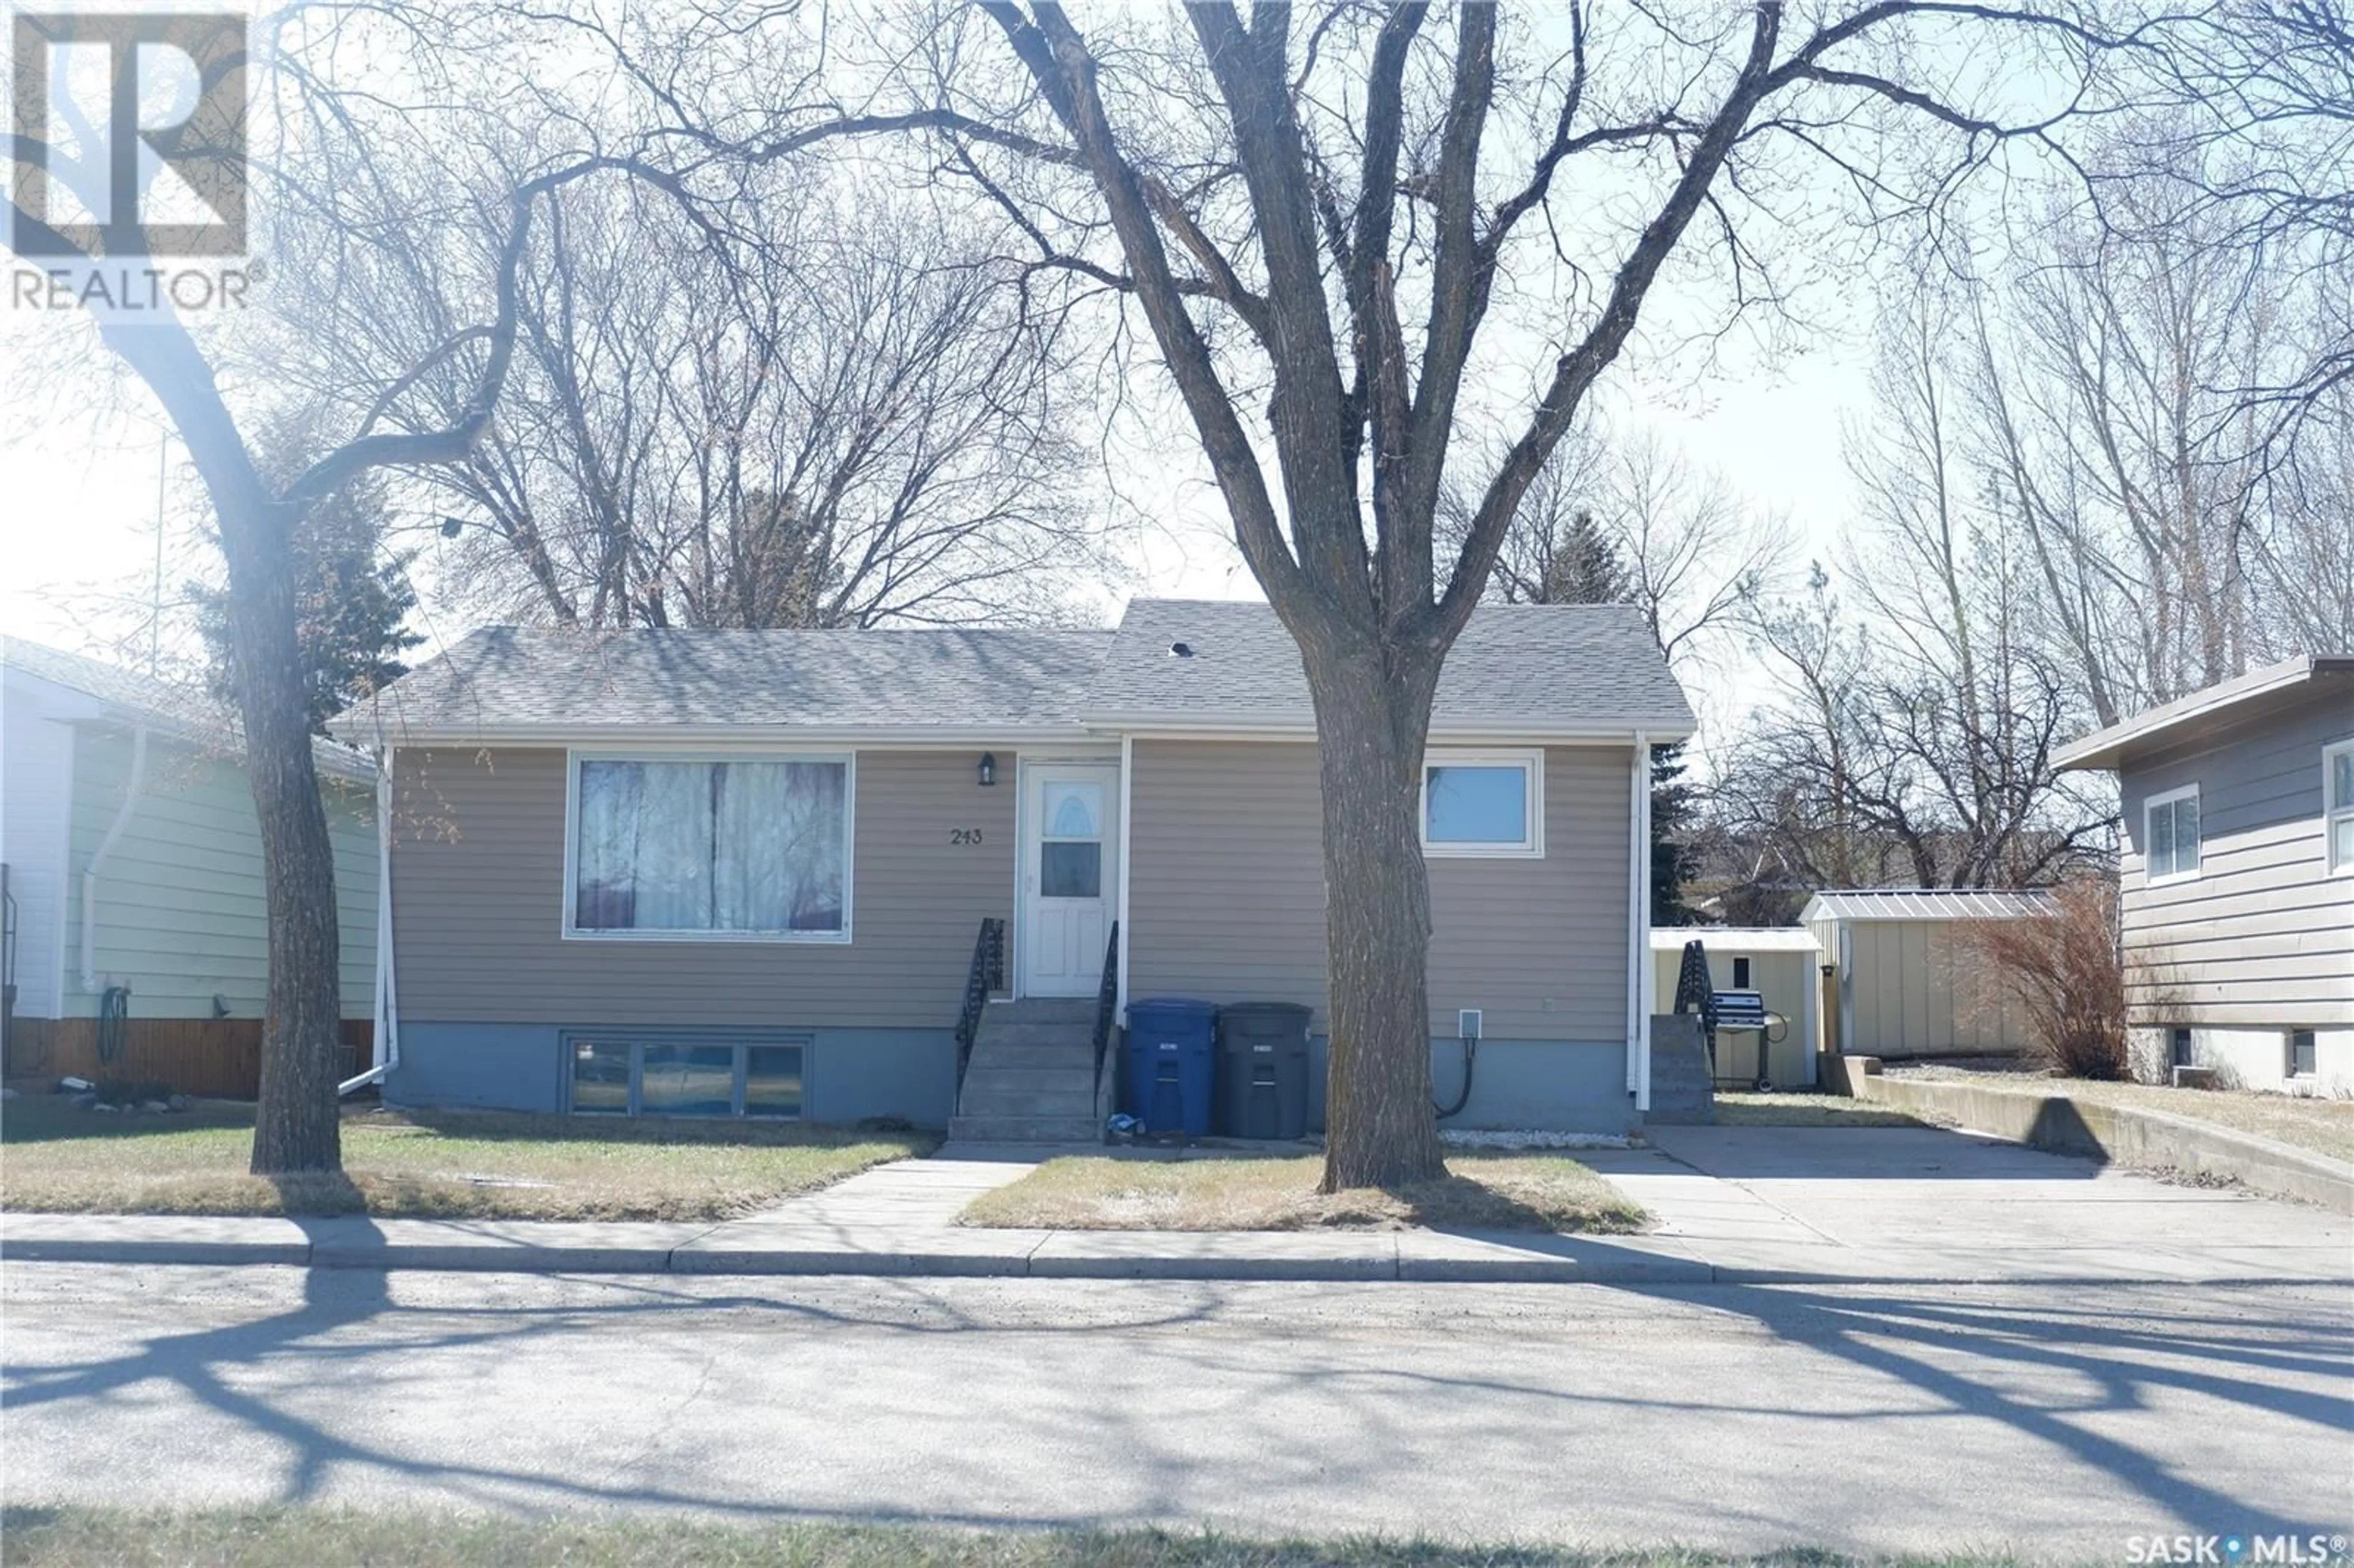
{"x": 2104, "y": 748}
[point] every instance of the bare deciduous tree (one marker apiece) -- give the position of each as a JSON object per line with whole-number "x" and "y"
{"x": 840, "y": 421}
{"x": 319, "y": 166}
{"x": 1683, "y": 543}
{"x": 1321, "y": 207}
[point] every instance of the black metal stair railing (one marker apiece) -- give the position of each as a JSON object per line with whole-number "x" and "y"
{"x": 987, "y": 973}
{"x": 1107, "y": 1004}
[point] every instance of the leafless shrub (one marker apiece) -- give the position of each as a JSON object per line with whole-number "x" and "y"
{"x": 2066, "y": 972}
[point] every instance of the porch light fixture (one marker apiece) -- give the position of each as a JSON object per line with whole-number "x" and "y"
{"x": 988, "y": 768}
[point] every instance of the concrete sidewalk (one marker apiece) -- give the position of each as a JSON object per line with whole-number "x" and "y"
{"x": 1736, "y": 1206}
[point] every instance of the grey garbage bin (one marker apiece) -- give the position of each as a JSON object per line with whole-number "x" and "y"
{"x": 1262, "y": 1087}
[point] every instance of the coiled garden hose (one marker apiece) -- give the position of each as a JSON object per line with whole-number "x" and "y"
{"x": 113, "y": 1021}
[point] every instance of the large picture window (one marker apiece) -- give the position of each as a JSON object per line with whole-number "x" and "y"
{"x": 1484, "y": 803}
{"x": 2170, "y": 835}
{"x": 758, "y": 848}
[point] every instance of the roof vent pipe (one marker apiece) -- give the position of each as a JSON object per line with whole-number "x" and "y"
{"x": 1180, "y": 649}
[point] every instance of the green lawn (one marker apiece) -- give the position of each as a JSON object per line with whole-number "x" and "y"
{"x": 1483, "y": 1190}
{"x": 327, "y": 1538}
{"x": 450, "y": 1164}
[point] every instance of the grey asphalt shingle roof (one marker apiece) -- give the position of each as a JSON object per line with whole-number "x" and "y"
{"x": 1549, "y": 670}
{"x": 184, "y": 709}
{"x": 1540, "y": 667}
{"x": 507, "y": 677}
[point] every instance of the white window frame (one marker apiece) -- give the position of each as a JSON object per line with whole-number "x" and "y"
{"x": 570, "y": 890}
{"x": 1531, "y": 847}
{"x": 2333, "y": 810}
{"x": 2151, "y": 878}
{"x": 635, "y": 1041}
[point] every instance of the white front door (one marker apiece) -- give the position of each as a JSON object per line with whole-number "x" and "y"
{"x": 1070, "y": 874}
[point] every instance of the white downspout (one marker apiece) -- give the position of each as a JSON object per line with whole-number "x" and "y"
{"x": 1643, "y": 909}
{"x": 1126, "y": 932}
{"x": 1638, "y": 923}
{"x": 122, "y": 815}
{"x": 386, "y": 1055}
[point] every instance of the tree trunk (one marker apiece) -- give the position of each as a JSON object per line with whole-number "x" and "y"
{"x": 296, "y": 1125}
{"x": 1371, "y": 724}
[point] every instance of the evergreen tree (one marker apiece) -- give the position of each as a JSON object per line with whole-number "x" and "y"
{"x": 1580, "y": 564}
{"x": 352, "y": 597}
{"x": 1674, "y": 807}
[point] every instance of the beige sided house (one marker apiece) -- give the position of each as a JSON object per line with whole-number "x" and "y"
{"x": 2237, "y": 875}
{"x": 796, "y": 873}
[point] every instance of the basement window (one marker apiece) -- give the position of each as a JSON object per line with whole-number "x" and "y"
{"x": 2177, "y": 1052}
{"x": 2301, "y": 1053}
{"x": 1489, "y": 803}
{"x": 684, "y": 1077}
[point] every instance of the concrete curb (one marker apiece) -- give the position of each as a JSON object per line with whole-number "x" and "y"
{"x": 1369, "y": 1268}
{"x": 2126, "y": 1135}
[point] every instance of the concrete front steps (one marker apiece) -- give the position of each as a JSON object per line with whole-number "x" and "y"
{"x": 1032, "y": 1076}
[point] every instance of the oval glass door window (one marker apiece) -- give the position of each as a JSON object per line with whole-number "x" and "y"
{"x": 1073, "y": 810}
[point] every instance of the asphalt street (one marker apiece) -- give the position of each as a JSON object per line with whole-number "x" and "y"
{"x": 2049, "y": 1421}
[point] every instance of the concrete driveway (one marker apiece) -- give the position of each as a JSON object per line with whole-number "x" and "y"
{"x": 1892, "y": 1202}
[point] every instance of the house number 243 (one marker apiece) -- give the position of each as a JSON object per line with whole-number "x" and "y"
{"x": 964, "y": 835}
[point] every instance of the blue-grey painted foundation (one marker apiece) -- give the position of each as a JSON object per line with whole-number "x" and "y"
{"x": 1518, "y": 1085}
{"x": 847, "y": 1074}
{"x": 1543, "y": 1085}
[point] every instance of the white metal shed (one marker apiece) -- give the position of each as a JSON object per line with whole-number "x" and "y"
{"x": 1779, "y": 962}
{"x": 1905, "y": 987}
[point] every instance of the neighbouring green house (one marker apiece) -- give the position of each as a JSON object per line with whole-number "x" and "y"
{"x": 136, "y": 938}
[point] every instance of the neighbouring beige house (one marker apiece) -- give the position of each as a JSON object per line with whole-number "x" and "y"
{"x": 794, "y": 872}
{"x": 2236, "y": 878}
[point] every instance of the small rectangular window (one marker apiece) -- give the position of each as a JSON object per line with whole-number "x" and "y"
{"x": 1484, "y": 803}
{"x": 772, "y": 1080}
{"x": 2337, "y": 806}
{"x": 1070, "y": 870}
{"x": 687, "y": 1080}
{"x": 601, "y": 1078}
{"x": 2170, "y": 835}
{"x": 685, "y": 1077}
{"x": 2178, "y": 1046}
{"x": 2301, "y": 1053}
{"x": 1740, "y": 974}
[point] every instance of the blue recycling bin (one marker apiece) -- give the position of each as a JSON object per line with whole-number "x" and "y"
{"x": 1170, "y": 1049}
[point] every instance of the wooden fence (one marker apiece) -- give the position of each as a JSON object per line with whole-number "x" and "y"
{"x": 219, "y": 1058}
